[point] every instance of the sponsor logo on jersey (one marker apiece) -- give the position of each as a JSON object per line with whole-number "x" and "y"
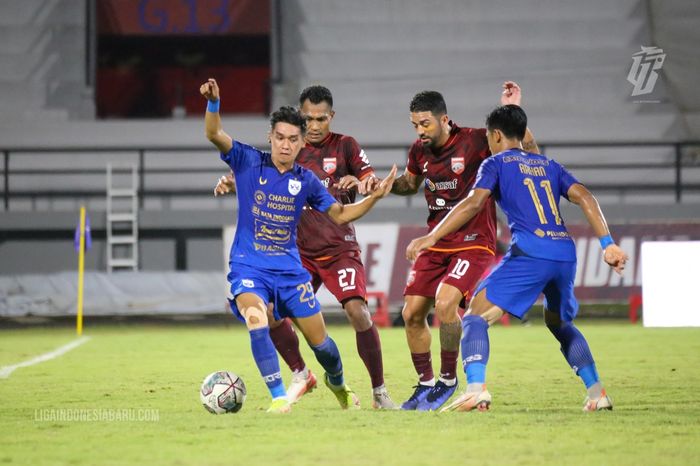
{"x": 470, "y": 237}
{"x": 248, "y": 283}
{"x": 349, "y": 237}
{"x": 458, "y": 165}
{"x": 325, "y": 182}
{"x": 440, "y": 202}
{"x": 441, "y": 185}
{"x": 446, "y": 185}
{"x": 330, "y": 164}
{"x": 294, "y": 187}
{"x": 260, "y": 197}
{"x": 262, "y": 181}
{"x": 275, "y": 233}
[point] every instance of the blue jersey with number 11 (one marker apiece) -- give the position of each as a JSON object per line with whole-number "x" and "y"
{"x": 528, "y": 188}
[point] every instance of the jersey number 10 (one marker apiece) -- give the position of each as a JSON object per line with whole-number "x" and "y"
{"x": 536, "y": 200}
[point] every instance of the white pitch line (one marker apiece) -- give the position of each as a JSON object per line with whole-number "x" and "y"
{"x": 5, "y": 371}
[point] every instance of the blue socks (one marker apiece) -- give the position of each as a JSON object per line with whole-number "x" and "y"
{"x": 328, "y": 356}
{"x": 266, "y": 359}
{"x": 475, "y": 348}
{"x": 576, "y": 351}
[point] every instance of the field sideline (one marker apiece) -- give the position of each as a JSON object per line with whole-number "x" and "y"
{"x": 651, "y": 374}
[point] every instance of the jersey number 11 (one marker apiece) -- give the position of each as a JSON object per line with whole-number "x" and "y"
{"x": 536, "y": 200}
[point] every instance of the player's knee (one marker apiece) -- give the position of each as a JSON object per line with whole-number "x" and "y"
{"x": 255, "y": 316}
{"x": 446, "y": 311}
{"x": 413, "y": 317}
{"x": 358, "y": 314}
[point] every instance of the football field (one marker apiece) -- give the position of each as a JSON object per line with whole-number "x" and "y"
{"x": 129, "y": 395}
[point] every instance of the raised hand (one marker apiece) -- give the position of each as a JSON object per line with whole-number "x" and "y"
{"x": 210, "y": 90}
{"x": 385, "y": 185}
{"x": 615, "y": 257}
{"x": 368, "y": 185}
{"x": 511, "y": 94}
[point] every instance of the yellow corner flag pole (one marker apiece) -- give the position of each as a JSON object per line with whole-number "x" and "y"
{"x": 81, "y": 272}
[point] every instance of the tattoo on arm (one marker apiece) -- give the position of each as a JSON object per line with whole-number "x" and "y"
{"x": 529, "y": 143}
{"x": 402, "y": 186}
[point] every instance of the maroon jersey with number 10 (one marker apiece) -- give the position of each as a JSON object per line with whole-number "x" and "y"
{"x": 318, "y": 236}
{"x": 449, "y": 174}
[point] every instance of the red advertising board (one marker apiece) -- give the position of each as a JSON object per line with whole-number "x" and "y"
{"x": 595, "y": 281}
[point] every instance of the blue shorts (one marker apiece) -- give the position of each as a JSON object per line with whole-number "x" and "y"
{"x": 291, "y": 293}
{"x": 516, "y": 283}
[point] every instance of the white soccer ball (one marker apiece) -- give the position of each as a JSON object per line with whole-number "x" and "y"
{"x": 222, "y": 392}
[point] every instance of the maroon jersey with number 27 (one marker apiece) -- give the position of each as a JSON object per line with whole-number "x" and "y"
{"x": 318, "y": 236}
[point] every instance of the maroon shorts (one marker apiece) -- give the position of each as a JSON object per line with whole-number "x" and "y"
{"x": 343, "y": 275}
{"x": 461, "y": 269}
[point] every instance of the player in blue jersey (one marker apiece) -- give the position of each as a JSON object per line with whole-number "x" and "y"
{"x": 266, "y": 274}
{"x": 541, "y": 258}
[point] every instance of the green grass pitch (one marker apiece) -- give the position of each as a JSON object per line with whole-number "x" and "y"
{"x": 653, "y": 376}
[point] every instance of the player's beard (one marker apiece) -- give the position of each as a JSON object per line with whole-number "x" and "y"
{"x": 428, "y": 142}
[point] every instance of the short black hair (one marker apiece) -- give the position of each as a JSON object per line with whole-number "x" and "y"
{"x": 316, "y": 95}
{"x": 510, "y": 119}
{"x": 429, "y": 101}
{"x": 289, "y": 115}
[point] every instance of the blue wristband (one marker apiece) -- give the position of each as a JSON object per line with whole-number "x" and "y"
{"x": 606, "y": 241}
{"x": 213, "y": 107}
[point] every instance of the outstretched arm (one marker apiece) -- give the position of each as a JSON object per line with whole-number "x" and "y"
{"x": 613, "y": 255}
{"x": 212, "y": 120}
{"x": 350, "y": 212}
{"x": 458, "y": 216}
{"x": 512, "y": 94}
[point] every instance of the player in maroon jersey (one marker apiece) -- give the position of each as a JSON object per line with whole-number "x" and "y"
{"x": 330, "y": 252}
{"x": 445, "y": 158}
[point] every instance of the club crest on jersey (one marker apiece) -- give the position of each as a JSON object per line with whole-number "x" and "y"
{"x": 294, "y": 187}
{"x": 411, "y": 278}
{"x": 330, "y": 164}
{"x": 458, "y": 165}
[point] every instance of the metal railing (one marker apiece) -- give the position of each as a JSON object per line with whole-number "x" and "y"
{"x": 677, "y": 187}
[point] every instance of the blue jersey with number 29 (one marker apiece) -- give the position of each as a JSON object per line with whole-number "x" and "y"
{"x": 528, "y": 188}
{"x": 269, "y": 207}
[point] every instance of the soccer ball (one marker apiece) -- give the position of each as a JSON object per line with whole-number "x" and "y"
{"x": 222, "y": 392}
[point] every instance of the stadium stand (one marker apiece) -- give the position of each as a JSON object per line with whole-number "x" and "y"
{"x": 571, "y": 58}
